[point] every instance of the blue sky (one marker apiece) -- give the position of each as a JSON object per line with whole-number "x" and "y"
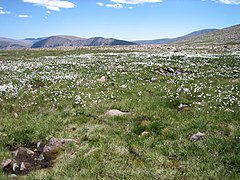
{"x": 122, "y": 19}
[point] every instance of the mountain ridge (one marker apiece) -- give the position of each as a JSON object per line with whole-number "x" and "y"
{"x": 60, "y": 41}
{"x": 177, "y": 39}
{"x": 229, "y": 35}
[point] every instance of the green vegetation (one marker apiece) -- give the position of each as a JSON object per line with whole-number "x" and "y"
{"x": 56, "y": 93}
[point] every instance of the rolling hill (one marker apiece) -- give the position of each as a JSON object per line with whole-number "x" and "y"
{"x": 60, "y": 41}
{"x": 229, "y": 35}
{"x": 7, "y": 43}
{"x": 174, "y": 40}
{"x": 72, "y": 41}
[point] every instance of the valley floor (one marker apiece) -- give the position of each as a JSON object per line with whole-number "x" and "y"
{"x": 169, "y": 93}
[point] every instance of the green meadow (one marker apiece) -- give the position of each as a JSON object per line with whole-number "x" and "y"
{"x": 169, "y": 95}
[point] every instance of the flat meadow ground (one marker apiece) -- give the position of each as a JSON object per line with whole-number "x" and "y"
{"x": 57, "y": 93}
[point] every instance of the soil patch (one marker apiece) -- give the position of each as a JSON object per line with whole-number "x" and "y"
{"x": 34, "y": 156}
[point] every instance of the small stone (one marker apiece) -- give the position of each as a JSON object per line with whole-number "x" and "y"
{"x": 145, "y": 133}
{"x": 21, "y": 152}
{"x": 15, "y": 166}
{"x": 14, "y": 153}
{"x": 153, "y": 79}
{"x": 115, "y": 112}
{"x": 12, "y": 175}
{"x": 170, "y": 70}
{"x": 102, "y": 79}
{"x": 40, "y": 158}
{"x": 123, "y": 86}
{"x": 38, "y": 144}
{"x": 53, "y": 140}
{"x": 184, "y": 107}
{"x": 30, "y": 152}
{"x": 22, "y": 166}
{"x": 198, "y": 136}
{"x": 56, "y": 144}
{"x": 15, "y": 115}
{"x": 6, "y": 163}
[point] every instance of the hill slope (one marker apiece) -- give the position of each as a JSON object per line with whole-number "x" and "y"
{"x": 173, "y": 40}
{"x": 59, "y": 41}
{"x": 229, "y": 35}
{"x": 7, "y": 43}
{"x": 70, "y": 41}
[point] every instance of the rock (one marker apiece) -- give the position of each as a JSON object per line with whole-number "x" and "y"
{"x": 171, "y": 70}
{"x": 15, "y": 167}
{"x": 28, "y": 151}
{"x": 22, "y": 152}
{"x": 115, "y": 112}
{"x": 153, "y": 79}
{"x": 15, "y": 115}
{"x": 22, "y": 166}
{"x": 5, "y": 164}
{"x": 183, "y": 106}
{"x": 145, "y": 133}
{"x": 102, "y": 79}
{"x": 56, "y": 144}
{"x": 123, "y": 86}
{"x": 198, "y": 136}
{"x": 14, "y": 153}
{"x": 38, "y": 144}
{"x": 12, "y": 175}
{"x": 40, "y": 158}
{"x": 53, "y": 145}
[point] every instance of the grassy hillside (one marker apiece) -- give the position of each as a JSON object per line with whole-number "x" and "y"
{"x": 229, "y": 35}
{"x": 57, "y": 93}
{"x": 177, "y": 39}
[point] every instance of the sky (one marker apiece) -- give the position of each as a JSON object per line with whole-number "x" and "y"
{"x": 121, "y": 19}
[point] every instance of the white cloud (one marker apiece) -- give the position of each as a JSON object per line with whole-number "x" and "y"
{"x": 119, "y": 3}
{"x": 230, "y": 1}
{"x": 4, "y": 12}
{"x": 24, "y": 16}
{"x": 100, "y": 4}
{"x": 1, "y": 7}
{"x": 136, "y": 1}
{"x": 117, "y": 6}
{"x": 48, "y": 12}
{"x": 45, "y": 17}
{"x": 54, "y": 5}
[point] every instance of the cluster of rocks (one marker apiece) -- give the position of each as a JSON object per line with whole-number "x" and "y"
{"x": 34, "y": 156}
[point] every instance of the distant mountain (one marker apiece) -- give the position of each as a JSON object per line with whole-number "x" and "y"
{"x": 100, "y": 41}
{"x": 59, "y": 41}
{"x": 32, "y": 40}
{"x": 7, "y": 43}
{"x": 72, "y": 41}
{"x": 54, "y": 41}
{"x": 174, "y": 40}
{"x": 229, "y": 35}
